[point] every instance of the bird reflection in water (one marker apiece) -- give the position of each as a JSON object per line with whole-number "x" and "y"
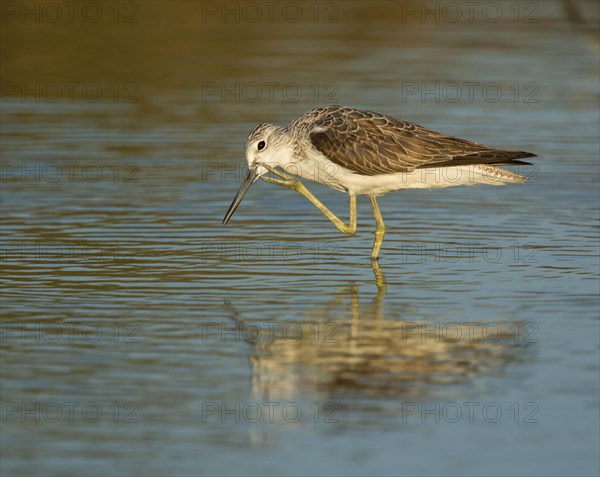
{"x": 347, "y": 348}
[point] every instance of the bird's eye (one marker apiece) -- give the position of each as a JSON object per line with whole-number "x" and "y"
{"x": 261, "y": 145}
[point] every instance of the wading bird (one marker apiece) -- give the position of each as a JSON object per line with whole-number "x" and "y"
{"x": 367, "y": 153}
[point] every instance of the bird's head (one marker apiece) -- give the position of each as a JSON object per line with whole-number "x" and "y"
{"x": 266, "y": 144}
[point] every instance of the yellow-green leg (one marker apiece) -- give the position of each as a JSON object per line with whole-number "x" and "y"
{"x": 379, "y": 229}
{"x": 292, "y": 183}
{"x": 379, "y": 278}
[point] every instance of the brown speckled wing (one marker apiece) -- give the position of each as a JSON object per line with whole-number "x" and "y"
{"x": 369, "y": 143}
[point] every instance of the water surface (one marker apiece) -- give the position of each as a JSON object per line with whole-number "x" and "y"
{"x": 139, "y": 337}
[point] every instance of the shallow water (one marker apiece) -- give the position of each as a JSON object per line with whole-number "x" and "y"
{"x": 139, "y": 337}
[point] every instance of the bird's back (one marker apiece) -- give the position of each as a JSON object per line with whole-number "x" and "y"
{"x": 370, "y": 143}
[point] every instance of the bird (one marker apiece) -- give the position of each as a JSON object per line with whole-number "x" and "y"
{"x": 362, "y": 152}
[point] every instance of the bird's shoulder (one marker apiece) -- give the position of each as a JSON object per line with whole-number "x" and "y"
{"x": 341, "y": 119}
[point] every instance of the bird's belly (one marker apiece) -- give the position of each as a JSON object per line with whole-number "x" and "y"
{"x": 318, "y": 169}
{"x": 428, "y": 178}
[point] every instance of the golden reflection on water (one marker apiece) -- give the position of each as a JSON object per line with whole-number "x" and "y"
{"x": 346, "y": 347}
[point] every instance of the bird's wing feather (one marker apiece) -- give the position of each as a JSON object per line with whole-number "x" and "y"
{"x": 369, "y": 143}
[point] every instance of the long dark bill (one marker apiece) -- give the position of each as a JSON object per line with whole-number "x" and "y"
{"x": 250, "y": 178}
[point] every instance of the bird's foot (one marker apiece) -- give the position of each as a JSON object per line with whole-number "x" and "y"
{"x": 293, "y": 184}
{"x": 286, "y": 180}
{"x": 277, "y": 172}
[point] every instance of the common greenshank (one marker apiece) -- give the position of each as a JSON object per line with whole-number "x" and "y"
{"x": 367, "y": 153}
